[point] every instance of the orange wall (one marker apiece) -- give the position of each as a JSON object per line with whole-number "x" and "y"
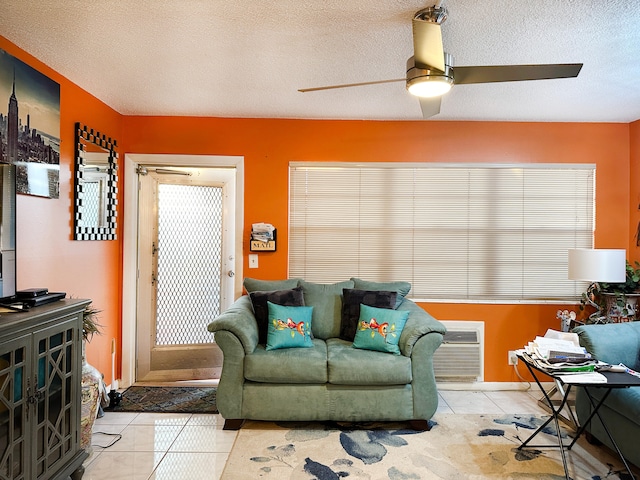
{"x": 47, "y": 255}
{"x": 634, "y": 198}
{"x": 269, "y": 144}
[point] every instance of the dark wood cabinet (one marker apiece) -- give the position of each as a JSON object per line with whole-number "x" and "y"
{"x": 40, "y": 392}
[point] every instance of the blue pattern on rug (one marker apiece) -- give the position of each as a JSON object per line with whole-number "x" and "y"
{"x": 370, "y": 443}
{"x": 529, "y": 422}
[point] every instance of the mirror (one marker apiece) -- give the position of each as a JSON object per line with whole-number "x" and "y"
{"x": 96, "y": 192}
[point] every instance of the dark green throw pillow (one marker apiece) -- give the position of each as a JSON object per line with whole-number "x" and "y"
{"x": 402, "y": 288}
{"x": 351, "y": 300}
{"x": 291, "y": 298}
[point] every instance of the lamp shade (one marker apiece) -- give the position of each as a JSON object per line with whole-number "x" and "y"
{"x": 598, "y": 265}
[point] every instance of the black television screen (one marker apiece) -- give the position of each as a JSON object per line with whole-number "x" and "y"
{"x": 7, "y": 232}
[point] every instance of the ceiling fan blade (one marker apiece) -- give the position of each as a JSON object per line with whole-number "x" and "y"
{"x": 514, "y": 73}
{"x": 427, "y": 45}
{"x": 430, "y": 106}
{"x": 346, "y": 85}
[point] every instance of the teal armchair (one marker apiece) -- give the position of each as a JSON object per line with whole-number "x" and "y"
{"x": 614, "y": 343}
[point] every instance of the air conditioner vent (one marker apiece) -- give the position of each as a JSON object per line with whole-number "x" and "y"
{"x": 460, "y": 358}
{"x": 460, "y": 336}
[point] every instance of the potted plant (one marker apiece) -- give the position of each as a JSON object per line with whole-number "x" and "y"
{"x": 616, "y": 302}
{"x": 90, "y": 325}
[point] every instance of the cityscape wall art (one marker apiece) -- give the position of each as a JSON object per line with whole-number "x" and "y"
{"x": 30, "y": 126}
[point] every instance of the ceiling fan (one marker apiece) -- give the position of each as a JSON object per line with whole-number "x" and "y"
{"x": 431, "y": 73}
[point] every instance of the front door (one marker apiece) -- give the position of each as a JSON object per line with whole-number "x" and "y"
{"x": 185, "y": 270}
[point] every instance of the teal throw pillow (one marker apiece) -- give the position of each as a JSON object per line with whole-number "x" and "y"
{"x": 288, "y": 327}
{"x": 379, "y": 329}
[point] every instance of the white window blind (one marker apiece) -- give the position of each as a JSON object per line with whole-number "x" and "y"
{"x": 455, "y": 231}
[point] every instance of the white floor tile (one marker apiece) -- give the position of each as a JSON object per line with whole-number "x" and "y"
{"x": 443, "y": 407}
{"x": 204, "y": 438}
{"x": 109, "y": 427}
{"x": 190, "y": 466}
{"x": 515, "y": 402}
{"x": 123, "y": 466}
{"x": 116, "y": 418}
{"x": 462, "y": 402}
{"x": 161, "y": 419}
{"x": 206, "y": 419}
{"x": 94, "y": 453}
{"x": 147, "y": 438}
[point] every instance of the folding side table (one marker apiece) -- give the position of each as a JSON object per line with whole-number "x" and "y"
{"x": 614, "y": 380}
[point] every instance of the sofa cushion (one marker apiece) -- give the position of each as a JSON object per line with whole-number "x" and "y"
{"x": 379, "y": 329}
{"x": 351, "y": 366}
{"x": 624, "y": 401}
{"x": 351, "y": 300}
{"x": 402, "y": 288}
{"x": 254, "y": 284}
{"x": 289, "y": 327}
{"x": 291, "y": 298}
{"x": 288, "y": 365}
{"x": 326, "y": 300}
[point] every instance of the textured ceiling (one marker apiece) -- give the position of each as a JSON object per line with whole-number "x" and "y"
{"x": 247, "y": 58}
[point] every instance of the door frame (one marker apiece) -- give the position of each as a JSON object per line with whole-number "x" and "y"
{"x": 130, "y": 238}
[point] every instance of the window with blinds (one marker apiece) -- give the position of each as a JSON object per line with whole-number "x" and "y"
{"x": 455, "y": 231}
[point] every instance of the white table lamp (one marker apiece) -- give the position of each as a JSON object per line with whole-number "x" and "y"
{"x": 597, "y": 265}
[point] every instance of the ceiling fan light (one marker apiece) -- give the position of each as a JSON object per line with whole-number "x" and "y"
{"x": 427, "y": 87}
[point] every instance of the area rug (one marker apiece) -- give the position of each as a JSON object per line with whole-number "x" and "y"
{"x": 168, "y": 400}
{"x": 456, "y": 447}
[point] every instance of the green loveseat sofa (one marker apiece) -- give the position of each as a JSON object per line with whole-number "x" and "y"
{"x": 614, "y": 343}
{"x": 331, "y": 380}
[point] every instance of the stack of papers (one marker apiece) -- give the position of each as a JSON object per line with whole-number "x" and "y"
{"x": 591, "y": 377}
{"x": 559, "y": 352}
{"x": 262, "y": 232}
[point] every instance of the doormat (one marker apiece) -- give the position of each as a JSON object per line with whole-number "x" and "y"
{"x": 168, "y": 400}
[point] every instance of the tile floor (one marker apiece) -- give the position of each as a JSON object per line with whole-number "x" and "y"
{"x": 182, "y": 446}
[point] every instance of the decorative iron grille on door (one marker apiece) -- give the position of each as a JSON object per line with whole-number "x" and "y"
{"x": 188, "y": 290}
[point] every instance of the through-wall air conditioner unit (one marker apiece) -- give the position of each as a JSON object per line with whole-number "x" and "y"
{"x": 460, "y": 358}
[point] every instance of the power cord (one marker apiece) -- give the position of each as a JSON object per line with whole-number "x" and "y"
{"x": 523, "y": 380}
{"x": 117, "y": 435}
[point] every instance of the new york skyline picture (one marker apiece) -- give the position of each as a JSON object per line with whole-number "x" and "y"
{"x": 30, "y": 126}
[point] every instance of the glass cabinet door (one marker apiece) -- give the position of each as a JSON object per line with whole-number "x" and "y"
{"x": 56, "y": 416}
{"x": 14, "y": 379}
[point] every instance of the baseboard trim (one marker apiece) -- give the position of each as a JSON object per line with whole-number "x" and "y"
{"x": 491, "y": 386}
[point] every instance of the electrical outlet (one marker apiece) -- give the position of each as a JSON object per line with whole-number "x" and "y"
{"x": 513, "y": 358}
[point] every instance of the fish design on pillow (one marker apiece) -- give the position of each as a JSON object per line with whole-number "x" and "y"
{"x": 376, "y": 327}
{"x": 296, "y": 327}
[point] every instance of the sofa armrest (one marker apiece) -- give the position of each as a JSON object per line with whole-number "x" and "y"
{"x": 612, "y": 342}
{"x": 239, "y": 320}
{"x": 418, "y": 324}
